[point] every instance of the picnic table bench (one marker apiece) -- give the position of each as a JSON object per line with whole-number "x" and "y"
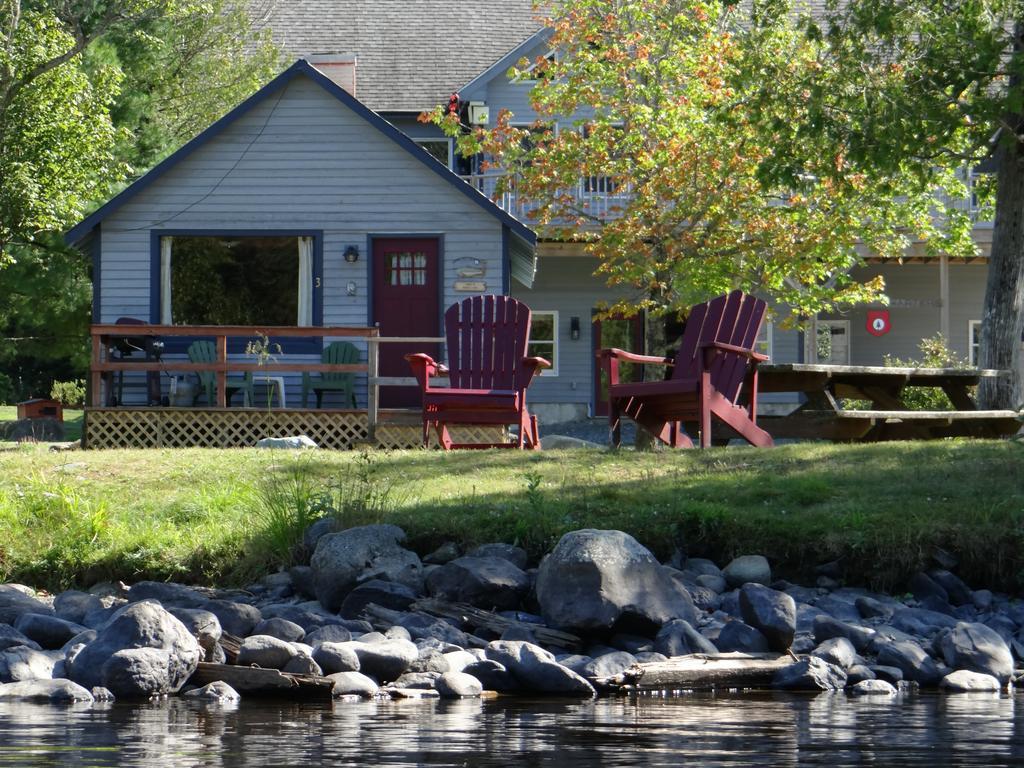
{"x": 824, "y": 388}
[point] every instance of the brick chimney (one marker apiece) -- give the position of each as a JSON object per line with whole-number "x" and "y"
{"x": 339, "y": 67}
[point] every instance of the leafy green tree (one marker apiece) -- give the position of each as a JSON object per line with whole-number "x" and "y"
{"x": 92, "y": 94}
{"x": 694, "y": 110}
{"x": 929, "y": 86}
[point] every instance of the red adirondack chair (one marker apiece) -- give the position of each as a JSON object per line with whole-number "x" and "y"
{"x": 488, "y": 371}
{"x": 716, "y": 357}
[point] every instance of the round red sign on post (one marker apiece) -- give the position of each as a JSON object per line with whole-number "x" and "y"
{"x": 878, "y": 322}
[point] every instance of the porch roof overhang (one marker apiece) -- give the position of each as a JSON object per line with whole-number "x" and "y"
{"x": 524, "y": 237}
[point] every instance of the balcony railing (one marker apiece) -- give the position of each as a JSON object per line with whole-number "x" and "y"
{"x": 597, "y": 196}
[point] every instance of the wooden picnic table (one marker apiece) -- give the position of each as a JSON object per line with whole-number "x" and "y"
{"x": 824, "y": 388}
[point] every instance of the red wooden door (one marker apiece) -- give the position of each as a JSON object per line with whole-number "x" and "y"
{"x": 624, "y": 333}
{"x": 406, "y": 302}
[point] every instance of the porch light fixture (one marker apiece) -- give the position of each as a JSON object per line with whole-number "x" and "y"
{"x": 574, "y": 328}
{"x": 351, "y": 254}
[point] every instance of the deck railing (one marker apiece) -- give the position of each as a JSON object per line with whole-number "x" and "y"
{"x": 597, "y": 196}
{"x": 105, "y": 336}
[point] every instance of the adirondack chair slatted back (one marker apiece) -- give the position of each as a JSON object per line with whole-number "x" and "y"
{"x": 203, "y": 351}
{"x": 732, "y": 319}
{"x": 339, "y": 353}
{"x": 487, "y": 338}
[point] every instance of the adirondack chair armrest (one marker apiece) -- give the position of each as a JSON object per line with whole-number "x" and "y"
{"x": 710, "y": 348}
{"x": 530, "y": 367}
{"x": 423, "y": 367}
{"x": 630, "y": 357}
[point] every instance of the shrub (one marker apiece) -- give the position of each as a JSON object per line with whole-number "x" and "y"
{"x": 935, "y": 353}
{"x": 69, "y": 393}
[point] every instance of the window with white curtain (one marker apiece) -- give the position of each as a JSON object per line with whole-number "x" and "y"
{"x": 228, "y": 280}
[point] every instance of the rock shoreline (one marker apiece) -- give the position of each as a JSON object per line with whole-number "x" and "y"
{"x": 376, "y": 619}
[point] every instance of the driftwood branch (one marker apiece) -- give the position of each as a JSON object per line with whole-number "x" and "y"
{"x": 477, "y": 617}
{"x": 268, "y": 682}
{"x": 701, "y": 672}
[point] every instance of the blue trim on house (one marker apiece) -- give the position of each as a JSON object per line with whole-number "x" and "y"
{"x": 95, "y": 250}
{"x": 179, "y": 344}
{"x": 506, "y": 262}
{"x": 502, "y": 65}
{"x": 300, "y": 67}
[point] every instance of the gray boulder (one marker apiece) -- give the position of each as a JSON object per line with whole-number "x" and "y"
{"x": 607, "y": 665}
{"x": 921, "y": 621}
{"x": 280, "y": 628}
{"x": 911, "y": 659}
{"x": 493, "y": 676}
{"x": 353, "y": 684}
{"x": 740, "y": 637}
{"x": 10, "y": 637}
{"x": 748, "y": 569}
{"x": 336, "y": 657}
{"x": 265, "y": 651}
{"x": 966, "y": 681}
{"x": 346, "y": 558}
{"x": 388, "y": 594}
{"x": 141, "y": 672}
{"x": 166, "y": 593}
{"x": 838, "y": 651}
{"x": 959, "y": 593}
{"x": 458, "y": 685}
{"x": 977, "y": 648}
{"x": 416, "y": 680}
{"x": 771, "y": 612}
{"x": 204, "y": 625}
{"x": 827, "y": 628}
{"x": 594, "y": 579}
{"x": 873, "y": 688}
{"x": 385, "y": 660}
{"x": 45, "y": 691}
{"x": 870, "y": 608}
{"x": 515, "y": 555}
{"x": 236, "y": 619}
{"x": 217, "y": 692}
{"x": 73, "y": 605}
{"x": 21, "y": 663}
{"x": 137, "y": 626}
{"x": 810, "y": 674}
{"x": 302, "y": 664}
{"x": 15, "y": 600}
{"x": 679, "y": 638}
{"x": 331, "y": 633}
{"x": 486, "y": 582}
{"x": 536, "y": 669}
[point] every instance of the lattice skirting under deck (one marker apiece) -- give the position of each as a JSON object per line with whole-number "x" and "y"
{"x": 241, "y": 428}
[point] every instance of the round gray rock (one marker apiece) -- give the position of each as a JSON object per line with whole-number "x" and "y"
{"x": 493, "y": 583}
{"x": 353, "y": 684}
{"x": 336, "y": 657}
{"x": 346, "y": 558}
{"x": 265, "y": 651}
{"x": 217, "y": 692}
{"x": 771, "y": 612}
{"x": 810, "y": 674}
{"x": 593, "y": 579}
{"x": 966, "y": 681}
{"x": 748, "y": 569}
{"x": 137, "y": 626}
{"x": 385, "y": 660}
{"x": 977, "y": 648}
{"x": 280, "y": 628}
{"x": 49, "y": 691}
{"x": 457, "y": 685}
{"x": 679, "y": 638}
{"x": 873, "y": 688}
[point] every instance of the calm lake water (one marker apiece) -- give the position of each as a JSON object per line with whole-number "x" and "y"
{"x": 718, "y": 730}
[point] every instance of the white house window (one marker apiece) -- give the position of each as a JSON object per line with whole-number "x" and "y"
{"x": 973, "y": 342}
{"x": 246, "y": 280}
{"x": 440, "y": 149}
{"x": 763, "y": 344}
{"x": 544, "y": 340}
{"x": 537, "y": 68}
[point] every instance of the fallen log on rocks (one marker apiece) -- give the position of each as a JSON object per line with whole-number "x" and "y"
{"x": 701, "y": 672}
{"x": 477, "y": 617}
{"x": 265, "y": 682}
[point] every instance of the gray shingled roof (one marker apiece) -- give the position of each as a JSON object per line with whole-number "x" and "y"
{"x": 410, "y": 54}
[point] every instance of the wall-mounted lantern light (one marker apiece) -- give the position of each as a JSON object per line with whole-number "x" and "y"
{"x": 350, "y": 289}
{"x": 351, "y": 254}
{"x": 574, "y": 328}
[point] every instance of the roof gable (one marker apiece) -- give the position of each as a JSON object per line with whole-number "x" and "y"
{"x": 304, "y": 69}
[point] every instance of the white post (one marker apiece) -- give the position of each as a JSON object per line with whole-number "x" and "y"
{"x": 944, "y": 297}
{"x": 372, "y": 388}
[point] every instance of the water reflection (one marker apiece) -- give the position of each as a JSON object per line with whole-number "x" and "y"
{"x": 705, "y": 729}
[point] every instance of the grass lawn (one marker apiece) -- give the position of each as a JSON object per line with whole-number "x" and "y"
{"x": 223, "y": 516}
{"x": 72, "y": 421}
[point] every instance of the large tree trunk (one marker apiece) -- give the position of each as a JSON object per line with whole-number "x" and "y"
{"x": 1003, "y": 315}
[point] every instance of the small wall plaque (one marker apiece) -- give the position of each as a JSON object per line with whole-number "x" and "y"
{"x": 470, "y": 286}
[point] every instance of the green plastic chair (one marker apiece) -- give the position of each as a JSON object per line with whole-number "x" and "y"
{"x": 336, "y": 353}
{"x": 206, "y": 352}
